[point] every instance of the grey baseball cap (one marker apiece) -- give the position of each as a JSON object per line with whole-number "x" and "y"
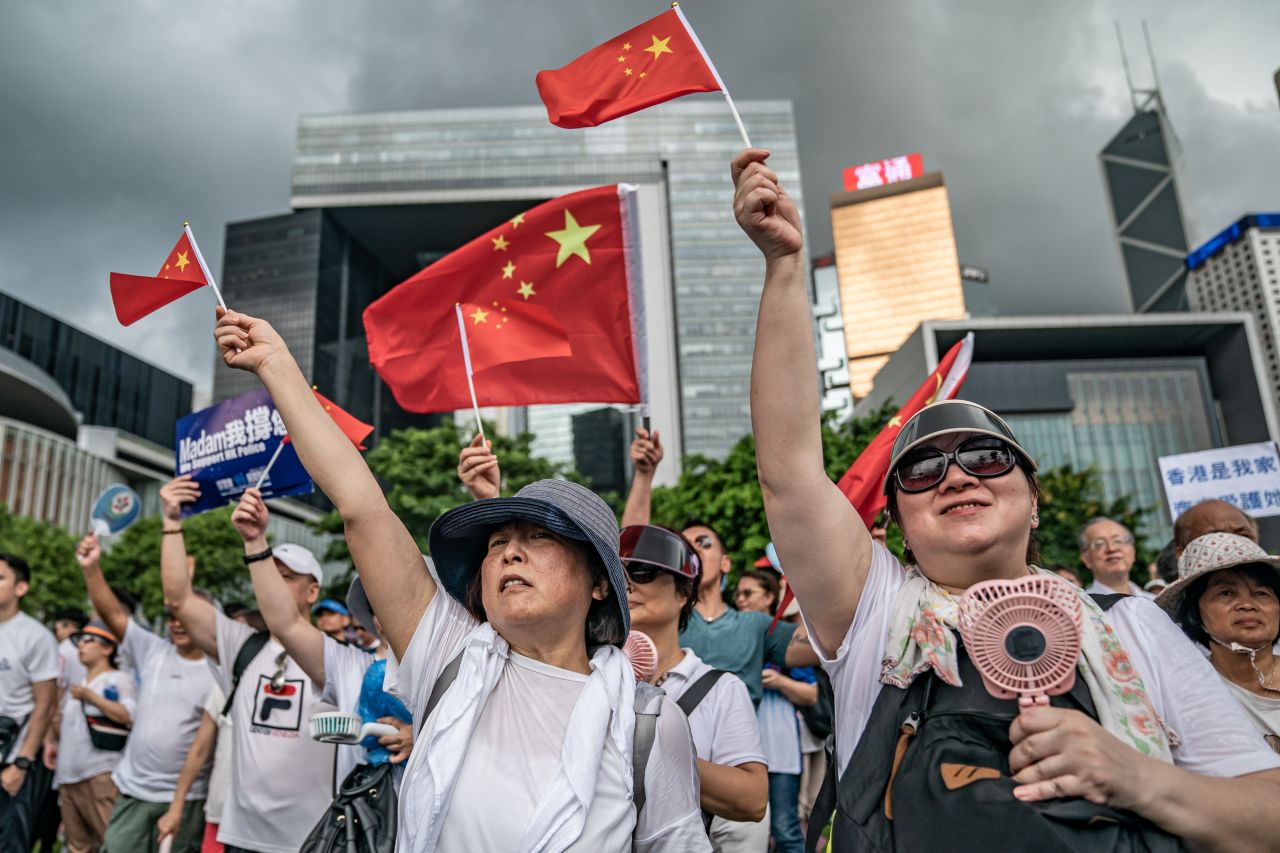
{"x": 459, "y": 539}
{"x": 944, "y": 418}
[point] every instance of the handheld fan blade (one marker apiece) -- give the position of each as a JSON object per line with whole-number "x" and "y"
{"x": 345, "y": 727}
{"x": 643, "y": 654}
{"x": 1023, "y": 636}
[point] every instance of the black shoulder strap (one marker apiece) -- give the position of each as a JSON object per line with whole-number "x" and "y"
{"x": 248, "y": 651}
{"x": 1106, "y": 601}
{"x": 447, "y": 677}
{"x": 698, "y": 691}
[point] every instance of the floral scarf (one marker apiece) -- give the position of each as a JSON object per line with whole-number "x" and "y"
{"x": 923, "y": 635}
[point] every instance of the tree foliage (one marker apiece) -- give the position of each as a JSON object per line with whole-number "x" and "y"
{"x": 51, "y": 553}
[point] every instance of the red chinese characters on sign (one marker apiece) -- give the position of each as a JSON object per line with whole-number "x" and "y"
{"x": 883, "y": 172}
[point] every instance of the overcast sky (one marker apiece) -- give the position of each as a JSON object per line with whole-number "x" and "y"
{"x": 122, "y": 119}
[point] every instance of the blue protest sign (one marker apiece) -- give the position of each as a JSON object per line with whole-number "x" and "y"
{"x": 114, "y": 510}
{"x": 226, "y": 447}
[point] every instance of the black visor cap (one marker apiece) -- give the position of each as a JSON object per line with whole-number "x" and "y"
{"x": 653, "y": 546}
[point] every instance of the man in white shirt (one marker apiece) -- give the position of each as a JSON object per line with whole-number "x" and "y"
{"x": 173, "y": 681}
{"x": 280, "y": 777}
{"x": 1106, "y": 549}
{"x": 28, "y": 691}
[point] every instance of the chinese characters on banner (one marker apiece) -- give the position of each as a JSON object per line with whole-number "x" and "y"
{"x": 883, "y": 172}
{"x": 226, "y": 446}
{"x": 1246, "y": 476}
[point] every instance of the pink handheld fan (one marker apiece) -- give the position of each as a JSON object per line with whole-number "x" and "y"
{"x": 643, "y": 654}
{"x": 1023, "y": 636}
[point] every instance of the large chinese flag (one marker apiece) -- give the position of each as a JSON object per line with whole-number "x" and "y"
{"x": 863, "y": 483}
{"x": 136, "y": 296}
{"x": 547, "y": 302}
{"x": 659, "y": 60}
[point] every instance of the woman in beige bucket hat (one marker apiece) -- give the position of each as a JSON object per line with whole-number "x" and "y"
{"x": 1227, "y": 598}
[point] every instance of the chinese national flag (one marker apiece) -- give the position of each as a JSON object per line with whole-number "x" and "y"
{"x": 547, "y": 301}
{"x": 136, "y": 296}
{"x": 863, "y": 483}
{"x": 352, "y": 427}
{"x": 659, "y": 60}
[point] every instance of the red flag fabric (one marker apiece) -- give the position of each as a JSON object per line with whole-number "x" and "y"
{"x": 352, "y": 427}
{"x": 562, "y": 272}
{"x": 136, "y": 296}
{"x": 863, "y": 483}
{"x": 659, "y": 60}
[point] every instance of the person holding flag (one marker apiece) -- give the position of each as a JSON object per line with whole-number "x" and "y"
{"x": 508, "y": 656}
{"x": 1146, "y": 750}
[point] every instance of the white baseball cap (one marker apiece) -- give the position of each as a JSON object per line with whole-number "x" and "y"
{"x": 299, "y": 560}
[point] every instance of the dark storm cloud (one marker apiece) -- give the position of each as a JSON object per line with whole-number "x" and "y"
{"x": 121, "y": 120}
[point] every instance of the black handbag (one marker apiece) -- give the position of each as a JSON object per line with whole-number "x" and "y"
{"x": 361, "y": 818}
{"x": 9, "y": 728}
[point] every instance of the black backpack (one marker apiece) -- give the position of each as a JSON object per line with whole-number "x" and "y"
{"x": 931, "y": 772}
{"x": 820, "y": 717}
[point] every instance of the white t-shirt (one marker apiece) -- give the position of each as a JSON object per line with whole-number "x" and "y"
{"x": 171, "y": 699}
{"x": 724, "y": 725}
{"x": 1184, "y": 688}
{"x": 515, "y": 749}
{"x": 1099, "y": 588}
{"x": 344, "y": 669}
{"x": 1263, "y": 713}
{"x": 78, "y": 758}
{"x": 28, "y": 655}
{"x": 70, "y": 670}
{"x": 280, "y": 777}
{"x": 779, "y": 732}
{"x": 220, "y": 778}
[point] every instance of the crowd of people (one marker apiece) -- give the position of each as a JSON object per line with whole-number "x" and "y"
{"x": 489, "y": 703}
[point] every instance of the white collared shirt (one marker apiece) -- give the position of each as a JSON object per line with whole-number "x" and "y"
{"x": 1099, "y": 588}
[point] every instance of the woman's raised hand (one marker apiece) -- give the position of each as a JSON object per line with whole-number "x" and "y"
{"x": 247, "y": 343}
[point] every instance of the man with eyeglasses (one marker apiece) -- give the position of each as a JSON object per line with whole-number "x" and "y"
{"x": 1106, "y": 549}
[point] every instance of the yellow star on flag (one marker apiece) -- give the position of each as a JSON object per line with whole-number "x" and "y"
{"x": 894, "y": 421}
{"x": 659, "y": 47}
{"x": 572, "y": 239}
{"x": 643, "y": 75}
{"x": 626, "y": 45}
{"x": 508, "y": 270}
{"x": 626, "y": 71}
{"x": 182, "y": 261}
{"x": 622, "y": 59}
{"x": 480, "y": 316}
{"x": 526, "y": 289}
{"x": 500, "y": 243}
{"x": 518, "y": 221}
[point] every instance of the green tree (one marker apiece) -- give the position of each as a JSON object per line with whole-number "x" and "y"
{"x": 1068, "y": 499}
{"x": 51, "y": 553}
{"x": 418, "y": 472}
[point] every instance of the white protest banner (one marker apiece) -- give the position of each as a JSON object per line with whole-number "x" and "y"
{"x": 1246, "y": 476}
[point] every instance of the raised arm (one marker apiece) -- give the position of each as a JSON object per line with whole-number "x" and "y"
{"x": 815, "y": 529}
{"x": 646, "y": 454}
{"x": 303, "y": 641}
{"x": 108, "y": 607}
{"x": 197, "y": 616}
{"x": 390, "y": 565}
{"x": 478, "y": 469}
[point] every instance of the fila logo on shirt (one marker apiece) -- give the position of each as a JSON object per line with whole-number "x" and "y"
{"x": 277, "y": 712}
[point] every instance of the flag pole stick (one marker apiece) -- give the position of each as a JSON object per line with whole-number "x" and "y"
{"x": 742, "y": 129}
{"x": 265, "y": 471}
{"x": 724, "y": 90}
{"x": 208, "y": 276}
{"x": 466, "y": 359}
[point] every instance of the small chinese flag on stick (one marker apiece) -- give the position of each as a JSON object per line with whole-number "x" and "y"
{"x": 352, "y": 427}
{"x": 659, "y": 60}
{"x": 183, "y": 271}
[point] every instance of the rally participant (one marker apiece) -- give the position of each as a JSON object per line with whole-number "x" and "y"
{"x": 28, "y": 693}
{"x": 339, "y": 671}
{"x": 1106, "y": 549}
{"x": 736, "y": 641}
{"x": 280, "y": 777}
{"x": 94, "y": 715}
{"x": 662, "y": 582}
{"x": 779, "y": 723}
{"x": 964, "y": 494}
{"x": 68, "y": 621}
{"x": 1227, "y": 599}
{"x": 1211, "y": 516}
{"x": 534, "y": 611}
{"x": 332, "y": 618}
{"x": 172, "y": 680}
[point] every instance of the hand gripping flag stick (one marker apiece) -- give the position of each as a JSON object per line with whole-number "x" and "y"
{"x": 466, "y": 360}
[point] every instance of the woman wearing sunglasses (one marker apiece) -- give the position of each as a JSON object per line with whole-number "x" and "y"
{"x": 1167, "y": 755}
{"x": 663, "y": 571}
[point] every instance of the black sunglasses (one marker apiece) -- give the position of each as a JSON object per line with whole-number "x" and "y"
{"x": 983, "y": 456}
{"x": 640, "y": 574}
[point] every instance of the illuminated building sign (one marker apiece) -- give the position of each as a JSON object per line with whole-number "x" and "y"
{"x": 883, "y": 172}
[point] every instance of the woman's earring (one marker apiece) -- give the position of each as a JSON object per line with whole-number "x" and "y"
{"x": 1035, "y": 518}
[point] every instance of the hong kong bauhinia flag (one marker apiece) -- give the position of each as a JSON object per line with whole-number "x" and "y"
{"x": 136, "y": 296}
{"x": 863, "y": 483}
{"x": 551, "y": 300}
{"x": 659, "y": 60}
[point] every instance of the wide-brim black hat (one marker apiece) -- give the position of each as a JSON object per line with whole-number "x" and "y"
{"x": 944, "y": 418}
{"x": 459, "y": 539}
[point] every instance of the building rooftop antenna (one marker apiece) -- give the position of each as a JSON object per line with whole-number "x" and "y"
{"x": 1156, "y": 96}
